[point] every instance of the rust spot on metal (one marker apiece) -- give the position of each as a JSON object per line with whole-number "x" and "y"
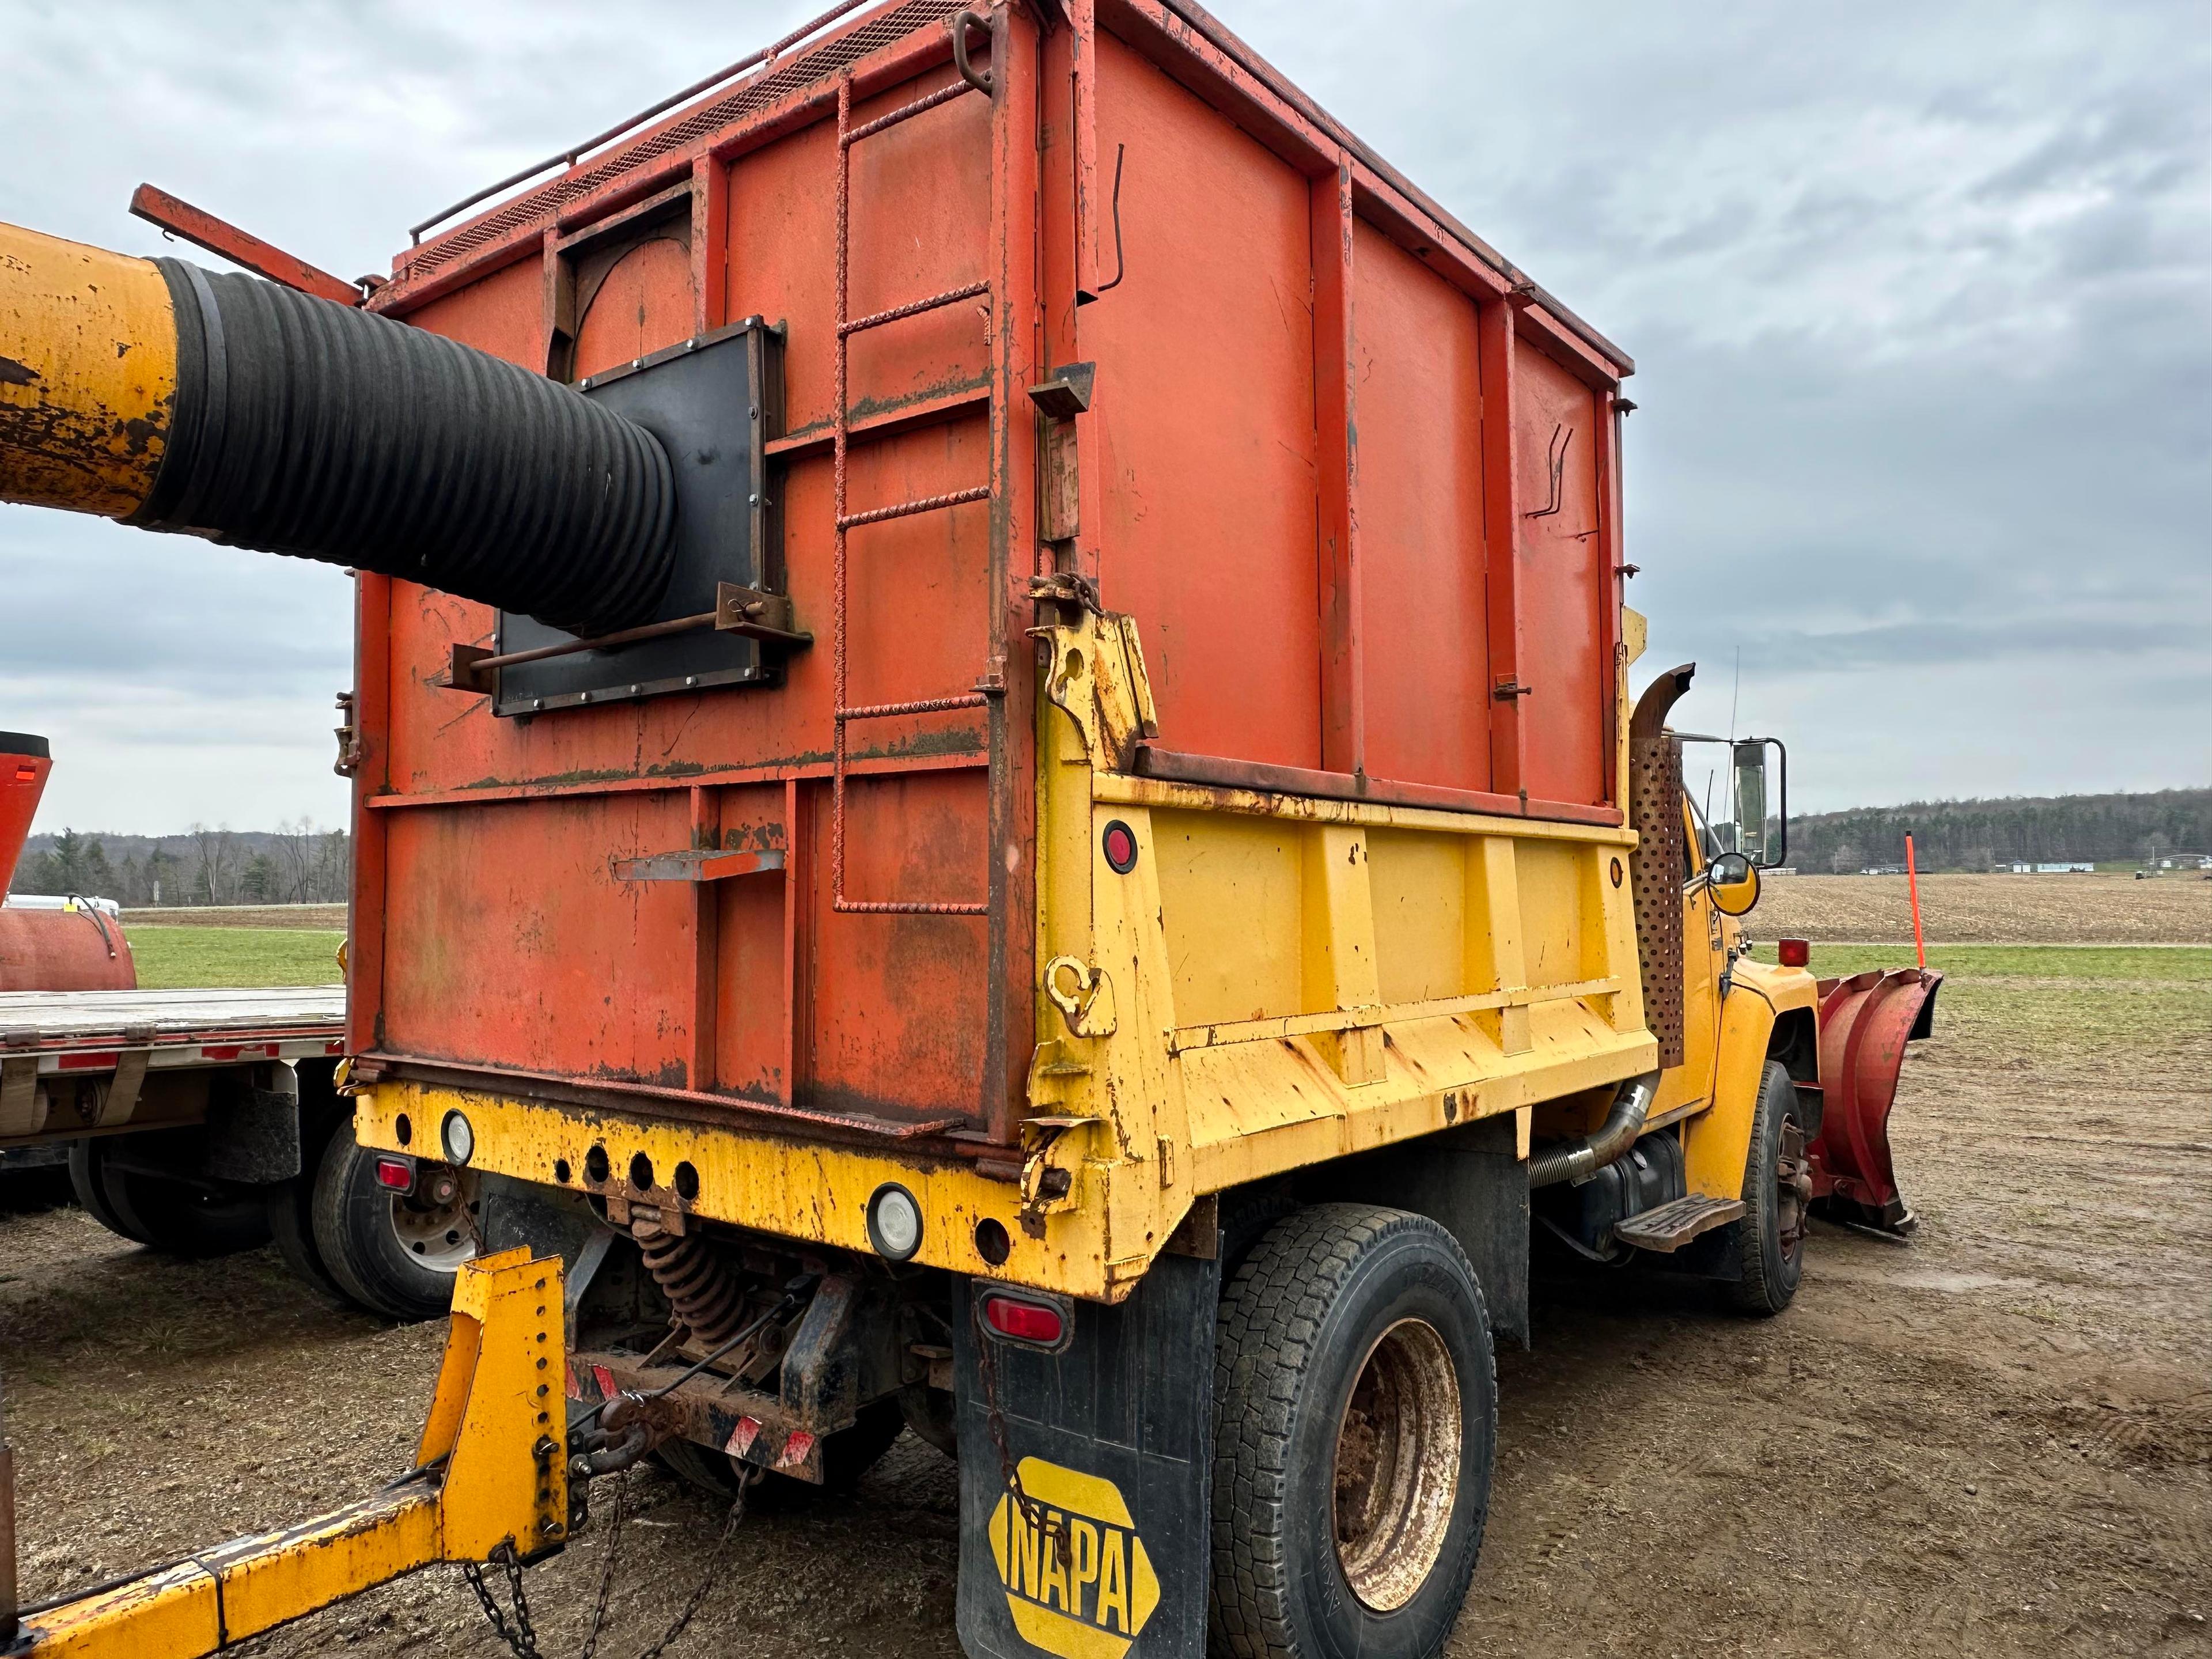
{"x": 15, "y": 374}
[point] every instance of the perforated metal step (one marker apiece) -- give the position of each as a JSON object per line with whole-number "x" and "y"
{"x": 1670, "y": 1226}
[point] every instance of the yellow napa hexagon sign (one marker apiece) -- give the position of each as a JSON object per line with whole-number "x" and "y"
{"x": 1091, "y": 1597}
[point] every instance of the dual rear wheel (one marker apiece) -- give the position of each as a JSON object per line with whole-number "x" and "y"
{"x": 1355, "y": 1413}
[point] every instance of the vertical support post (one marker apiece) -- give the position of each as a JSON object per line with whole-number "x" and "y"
{"x": 706, "y": 941}
{"x": 1496, "y": 958}
{"x": 560, "y": 304}
{"x": 1604, "y": 432}
{"x": 797, "y": 906}
{"x": 1339, "y": 969}
{"x": 1336, "y": 421}
{"x": 1093, "y": 205}
{"x": 1018, "y": 326}
{"x": 710, "y": 244}
{"x": 1501, "y": 535}
{"x": 372, "y": 716}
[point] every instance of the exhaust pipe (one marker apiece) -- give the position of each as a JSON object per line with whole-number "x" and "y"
{"x": 1578, "y": 1160}
{"x": 222, "y": 406}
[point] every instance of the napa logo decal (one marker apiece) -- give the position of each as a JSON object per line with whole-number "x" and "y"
{"x": 1086, "y": 1593}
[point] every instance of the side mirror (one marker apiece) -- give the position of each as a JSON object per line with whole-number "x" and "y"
{"x": 1734, "y": 880}
{"x": 1764, "y": 840}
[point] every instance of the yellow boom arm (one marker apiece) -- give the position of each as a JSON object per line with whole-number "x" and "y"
{"x": 491, "y": 1470}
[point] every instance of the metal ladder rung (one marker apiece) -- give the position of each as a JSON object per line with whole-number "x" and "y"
{"x": 842, "y": 715}
{"x": 908, "y": 509}
{"x": 907, "y": 908}
{"x": 900, "y": 313}
{"x": 885, "y": 711}
{"x": 908, "y": 111}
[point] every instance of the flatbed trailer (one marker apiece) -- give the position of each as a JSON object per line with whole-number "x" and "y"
{"x": 997, "y": 787}
{"x": 200, "y": 1121}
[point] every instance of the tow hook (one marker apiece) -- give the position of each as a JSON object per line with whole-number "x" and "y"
{"x": 619, "y": 1439}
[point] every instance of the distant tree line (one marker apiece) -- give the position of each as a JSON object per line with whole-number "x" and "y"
{"x": 1983, "y": 835}
{"x": 297, "y": 863}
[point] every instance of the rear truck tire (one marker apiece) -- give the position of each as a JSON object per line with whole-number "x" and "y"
{"x": 394, "y": 1254}
{"x": 85, "y": 1162}
{"x": 1777, "y": 1193}
{"x": 176, "y": 1218}
{"x": 846, "y": 1456}
{"x": 1355, "y": 1410}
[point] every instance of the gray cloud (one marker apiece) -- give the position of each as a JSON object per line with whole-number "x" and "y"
{"x": 1921, "y": 296}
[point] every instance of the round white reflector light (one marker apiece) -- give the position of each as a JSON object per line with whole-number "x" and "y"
{"x": 460, "y": 1140}
{"x": 894, "y": 1222}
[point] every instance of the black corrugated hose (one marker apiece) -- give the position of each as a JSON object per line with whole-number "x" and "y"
{"x": 311, "y": 428}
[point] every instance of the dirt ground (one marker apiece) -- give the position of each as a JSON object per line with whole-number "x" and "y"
{"x": 1997, "y": 1439}
{"x": 2171, "y": 909}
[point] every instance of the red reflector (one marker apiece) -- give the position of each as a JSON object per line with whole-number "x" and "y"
{"x": 395, "y": 1173}
{"x": 26, "y": 773}
{"x": 1793, "y": 952}
{"x": 1025, "y": 1321}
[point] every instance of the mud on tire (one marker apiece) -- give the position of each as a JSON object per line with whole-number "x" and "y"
{"x": 1355, "y": 1412}
{"x": 1770, "y": 1238}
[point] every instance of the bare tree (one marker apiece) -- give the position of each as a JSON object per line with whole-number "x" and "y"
{"x": 215, "y": 866}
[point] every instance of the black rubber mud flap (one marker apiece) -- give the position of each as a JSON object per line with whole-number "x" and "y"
{"x": 1111, "y": 1436}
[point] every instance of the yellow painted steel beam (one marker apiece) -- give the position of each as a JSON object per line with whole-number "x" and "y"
{"x": 490, "y": 1470}
{"x": 88, "y": 374}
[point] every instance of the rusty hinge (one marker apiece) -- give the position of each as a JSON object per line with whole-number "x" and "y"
{"x": 1507, "y": 690}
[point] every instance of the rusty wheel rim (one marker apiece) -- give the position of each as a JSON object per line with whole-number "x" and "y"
{"x": 1397, "y": 1465}
{"x": 437, "y": 1230}
{"x": 1793, "y": 1188}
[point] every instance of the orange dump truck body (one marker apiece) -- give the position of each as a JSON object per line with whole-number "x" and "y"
{"x": 1353, "y": 475}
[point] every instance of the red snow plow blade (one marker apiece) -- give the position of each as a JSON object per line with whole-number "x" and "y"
{"x": 1865, "y": 1023}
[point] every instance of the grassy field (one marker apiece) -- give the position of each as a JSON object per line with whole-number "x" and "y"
{"x": 2057, "y": 1002}
{"x": 178, "y": 958}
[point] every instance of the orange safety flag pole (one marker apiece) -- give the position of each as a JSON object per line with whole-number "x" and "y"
{"x": 1913, "y": 885}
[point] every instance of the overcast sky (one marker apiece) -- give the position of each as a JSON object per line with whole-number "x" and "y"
{"x": 1920, "y": 292}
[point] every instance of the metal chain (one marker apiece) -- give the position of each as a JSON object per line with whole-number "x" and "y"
{"x": 707, "y": 1579}
{"x": 519, "y": 1638}
{"x": 606, "y": 1572}
{"x": 1054, "y": 1530}
{"x": 522, "y": 1641}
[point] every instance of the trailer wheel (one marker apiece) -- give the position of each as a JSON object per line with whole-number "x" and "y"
{"x": 177, "y": 1218}
{"x": 292, "y": 1221}
{"x": 1355, "y": 1408}
{"x": 1775, "y": 1191}
{"x": 846, "y": 1456}
{"x": 394, "y": 1254}
{"x": 85, "y": 1161}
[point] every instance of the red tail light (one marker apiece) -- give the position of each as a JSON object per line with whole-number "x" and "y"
{"x": 1793, "y": 952}
{"x": 1025, "y": 1321}
{"x": 396, "y": 1173}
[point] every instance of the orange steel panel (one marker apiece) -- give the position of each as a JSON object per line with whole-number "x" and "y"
{"x": 1204, "y": 408}
{"x": 644, "y": 303}
{"x": 511, "y": 941}
{"x": 1312, "y": 419}
{"x": 502, "y": 313}
{"x": 1421, "y": 538}
{"x": 1564, "y": 583}
{"x": 921, "y": 196}
{"x": 898, "y": 1006}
